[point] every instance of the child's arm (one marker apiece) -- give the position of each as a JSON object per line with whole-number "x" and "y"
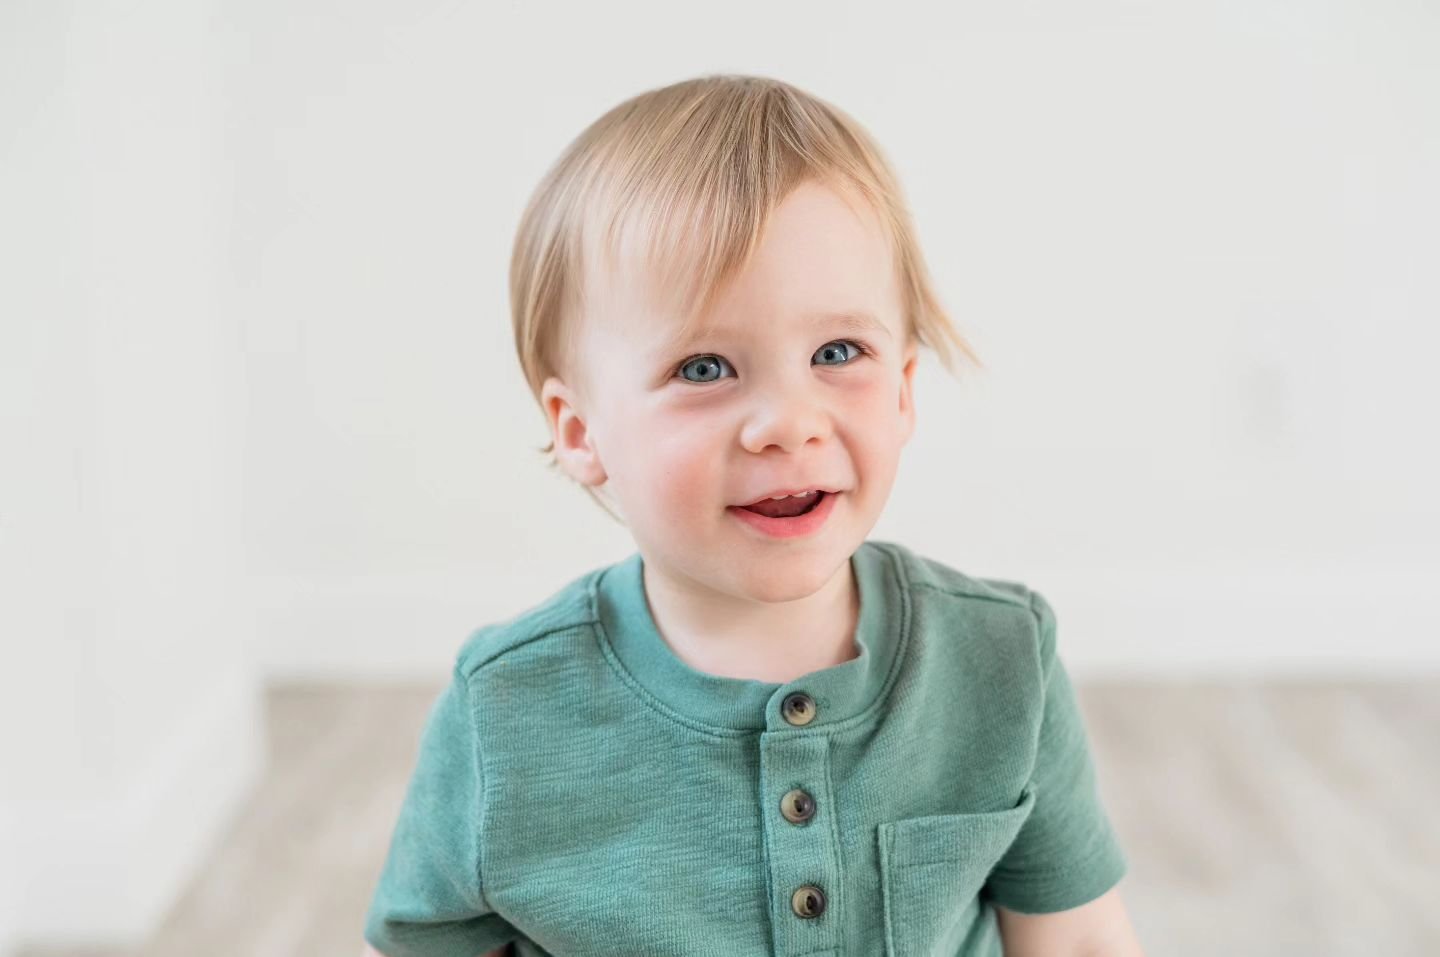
{"x": 1100, "y": 928}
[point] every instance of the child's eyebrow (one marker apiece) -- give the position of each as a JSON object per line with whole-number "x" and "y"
{"x": 856, "y": 320}
{"x": 853, "y": 320}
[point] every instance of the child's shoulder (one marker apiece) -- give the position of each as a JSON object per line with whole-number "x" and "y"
{"x": 570, "y": 606}
{"x": 1031, "y": 615}
{"x": 925, "y": 572}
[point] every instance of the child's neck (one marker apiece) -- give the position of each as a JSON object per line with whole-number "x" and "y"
{"x": 770, "y": 642}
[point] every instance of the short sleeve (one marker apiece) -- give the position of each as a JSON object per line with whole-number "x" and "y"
{"x": 429, "y": 901}
{"x": 1066, "y": 853}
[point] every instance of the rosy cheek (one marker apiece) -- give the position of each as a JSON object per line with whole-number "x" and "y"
{"x": 681, "y": 465}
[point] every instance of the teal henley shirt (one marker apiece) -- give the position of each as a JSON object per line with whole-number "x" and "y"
{"x": 583, "y": 792}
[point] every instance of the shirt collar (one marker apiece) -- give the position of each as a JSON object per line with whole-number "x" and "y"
{"x": 841, "y": 692}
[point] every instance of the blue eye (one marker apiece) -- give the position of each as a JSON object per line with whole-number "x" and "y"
{"x": 827, "y": 349}
{"x": 706, "y": 363}
{"x": 710, "y": 362}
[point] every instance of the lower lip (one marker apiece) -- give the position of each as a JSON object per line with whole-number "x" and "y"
{"x": 795, "y": 527}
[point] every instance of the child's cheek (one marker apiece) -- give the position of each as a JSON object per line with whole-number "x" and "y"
{"x": 685, "y": 471}
{"x": 875, "y": 407}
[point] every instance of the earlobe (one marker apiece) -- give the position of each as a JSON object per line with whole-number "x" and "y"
{"x": 574, "y": 448}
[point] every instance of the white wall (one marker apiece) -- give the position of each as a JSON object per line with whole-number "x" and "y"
{"x": 1194, "y": 243}
{"x": 129, "y": 726}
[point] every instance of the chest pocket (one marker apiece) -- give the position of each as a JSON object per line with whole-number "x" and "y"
{"x": 932, "y": 868}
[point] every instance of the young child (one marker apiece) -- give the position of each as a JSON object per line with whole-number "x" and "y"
{"x": 760, "y": 733}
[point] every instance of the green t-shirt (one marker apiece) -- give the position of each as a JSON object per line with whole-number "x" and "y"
{"x": 582, "y": 791}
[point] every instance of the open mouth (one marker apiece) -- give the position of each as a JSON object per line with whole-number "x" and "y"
{"x": 790, "y": 507}
{"x": 791, "y": 517}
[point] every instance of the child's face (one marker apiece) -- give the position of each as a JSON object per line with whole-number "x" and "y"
{"x": 676, "y": 442}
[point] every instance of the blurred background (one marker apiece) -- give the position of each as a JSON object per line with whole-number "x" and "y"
{"x": 267, "y": 456}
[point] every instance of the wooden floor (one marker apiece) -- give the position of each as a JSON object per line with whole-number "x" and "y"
{"x": 1270, "y": 820}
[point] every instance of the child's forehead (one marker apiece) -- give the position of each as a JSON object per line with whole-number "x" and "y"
{"x": 816, "y": 261}
{"x": 633, "y": 302}
{"x": 631, "y": 297}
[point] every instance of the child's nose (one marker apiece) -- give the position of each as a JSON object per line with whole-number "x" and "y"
{"x": 787, "y": 418}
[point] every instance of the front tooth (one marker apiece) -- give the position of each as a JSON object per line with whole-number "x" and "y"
{"x": 775, "y": 498}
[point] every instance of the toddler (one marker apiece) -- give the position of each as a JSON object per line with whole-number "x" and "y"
{"x": 761, "y": 733}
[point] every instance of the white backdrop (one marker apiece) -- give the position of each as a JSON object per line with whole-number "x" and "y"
{"x": 1195, "y": 244}
{"x": 261, "y": 418}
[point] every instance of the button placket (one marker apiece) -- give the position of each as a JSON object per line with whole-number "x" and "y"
{"x": 802, "y": 858}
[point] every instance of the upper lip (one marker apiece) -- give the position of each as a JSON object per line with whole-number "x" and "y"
{"x": 790, "y": 491}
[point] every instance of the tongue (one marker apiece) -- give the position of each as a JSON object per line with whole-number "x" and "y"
{"x": 785, "y": 507}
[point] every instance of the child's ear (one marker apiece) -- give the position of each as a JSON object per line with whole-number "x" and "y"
{"x": 573, "y": 448}
{"x": 907, "y": 389}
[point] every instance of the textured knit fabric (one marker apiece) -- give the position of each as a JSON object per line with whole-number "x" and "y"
{"x": 582, "y": 791}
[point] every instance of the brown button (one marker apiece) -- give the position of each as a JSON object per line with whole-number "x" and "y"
{"x": 808, "y": 901}
{"x": 797, "y": 806}
{"x": 798, "y": 708}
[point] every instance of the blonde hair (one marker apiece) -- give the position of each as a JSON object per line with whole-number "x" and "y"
{"x": 683, "y": 178}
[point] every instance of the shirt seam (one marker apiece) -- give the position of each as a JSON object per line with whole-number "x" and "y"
{"x": 956, "y": 593}
{"x": 835, "y": 841}
{"x": 470, "y": 667}
{"x": 907, "y": 618}
{"x": 1033, "y": 881}
{"x": 1046, "y": 658}
{"x": 1028, "y": 604}
{"x": 478, "y": 755}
